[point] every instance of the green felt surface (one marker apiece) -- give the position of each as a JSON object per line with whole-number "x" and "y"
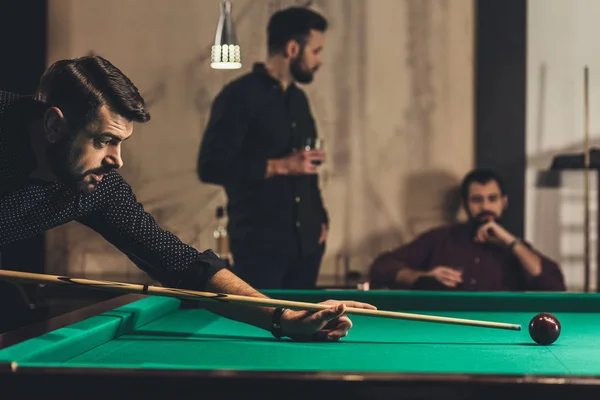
{"x": 154, "y": 333}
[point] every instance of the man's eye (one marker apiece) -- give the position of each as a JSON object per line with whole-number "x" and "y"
{"x": 102, "y": 143}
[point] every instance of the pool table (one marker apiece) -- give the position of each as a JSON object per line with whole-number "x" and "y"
{"x": 147, "y": 345}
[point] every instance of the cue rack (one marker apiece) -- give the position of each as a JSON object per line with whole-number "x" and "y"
{"x": 590, "y": 159}
{"x": 586, "y": 183}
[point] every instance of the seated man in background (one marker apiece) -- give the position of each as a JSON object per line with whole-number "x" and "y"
{"x": 478, "y": 255}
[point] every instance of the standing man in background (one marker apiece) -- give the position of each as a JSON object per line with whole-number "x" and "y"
{"x": 254, "y": 146}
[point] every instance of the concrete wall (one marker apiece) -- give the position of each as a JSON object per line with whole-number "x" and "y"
{"x": 562, "y": 39}
{"x": 394, "y": 102}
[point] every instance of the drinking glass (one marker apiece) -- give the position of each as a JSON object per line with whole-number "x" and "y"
{"x": 313, "y": 143}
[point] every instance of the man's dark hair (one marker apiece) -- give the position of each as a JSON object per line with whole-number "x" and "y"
{"x": 293, "y": 23}
{"x": 80, "y": 86}
{"x": 483, "y": 176}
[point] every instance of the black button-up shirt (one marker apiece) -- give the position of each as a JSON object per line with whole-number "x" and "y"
{"x": 29, "y": 207}
{"x": 252, "y": 120}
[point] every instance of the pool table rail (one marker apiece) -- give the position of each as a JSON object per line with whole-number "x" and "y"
{"x": 28, "y": 380}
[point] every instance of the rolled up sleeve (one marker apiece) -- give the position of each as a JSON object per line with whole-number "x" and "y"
{"x": 551, "y": 278}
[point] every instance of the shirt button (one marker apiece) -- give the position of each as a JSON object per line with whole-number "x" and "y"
{"x": 473, "y": 281}
{"x": 297, "y": 199}
{"x": 293, "y": 124}
{"x": 476, "y": 260}
{"x": 298, "y": 224}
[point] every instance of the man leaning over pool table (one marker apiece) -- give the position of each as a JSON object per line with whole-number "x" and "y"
{"x": 479, "y": 255}
{"x": 59, "y": 152}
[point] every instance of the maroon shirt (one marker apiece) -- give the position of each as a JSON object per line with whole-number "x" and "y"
{"x": 486, "y": 266}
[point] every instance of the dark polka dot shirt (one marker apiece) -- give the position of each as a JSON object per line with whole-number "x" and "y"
{"x": 29, "y": 207}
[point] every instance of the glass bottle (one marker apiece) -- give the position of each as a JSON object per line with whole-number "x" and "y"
{"x": 221, "y": 237}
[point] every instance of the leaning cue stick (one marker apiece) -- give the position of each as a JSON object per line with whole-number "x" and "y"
{"x": 586, "y": 172}
{"x": 235, "y": 299}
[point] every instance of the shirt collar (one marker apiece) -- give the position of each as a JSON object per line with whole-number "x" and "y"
{"x": 261, "y": 70}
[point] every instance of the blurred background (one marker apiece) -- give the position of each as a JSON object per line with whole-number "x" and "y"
{"x": 411, "y": 96}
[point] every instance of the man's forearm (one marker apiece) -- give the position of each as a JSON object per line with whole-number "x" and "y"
{"x": 407, "y": 276}
{"x": 226, "y": 282}
{"x": 530, "y": 261}
{"x": 275, "y": 167}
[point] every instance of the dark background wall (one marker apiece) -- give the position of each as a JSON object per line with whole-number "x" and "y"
{"x": 23, "y": 54}
{"x": 500, "y": 100}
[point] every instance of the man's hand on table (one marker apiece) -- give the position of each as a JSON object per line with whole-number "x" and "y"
{"x": 325, "y": 325}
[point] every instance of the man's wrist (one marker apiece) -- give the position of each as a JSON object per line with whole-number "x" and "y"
{"x": 507, "y": 238}
{"x": 513, "y": 243}
{"x": 277, "y": 322}
{"x": 409, "y": 276}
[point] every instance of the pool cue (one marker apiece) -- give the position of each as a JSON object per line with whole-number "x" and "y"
{"x": 234, "y": 299}
{"x": 586, "y": 187}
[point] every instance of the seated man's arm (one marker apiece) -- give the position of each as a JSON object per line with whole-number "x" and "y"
{"x": 403, "y": 266}
{"x": 541, "y": 273}
{"x": 123, "y": 222}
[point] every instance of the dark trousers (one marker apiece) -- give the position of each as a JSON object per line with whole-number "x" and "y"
{"x": 277, "y": 271}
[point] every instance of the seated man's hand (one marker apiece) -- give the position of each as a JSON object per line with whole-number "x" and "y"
{"x": 445, "y": 275}
{"x": 493, "y": 232}
{"x": 326, "y": 325}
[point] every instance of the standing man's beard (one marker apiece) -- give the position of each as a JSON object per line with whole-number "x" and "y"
{"x": 299, "y": 73}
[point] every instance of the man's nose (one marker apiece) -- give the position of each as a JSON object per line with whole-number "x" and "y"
{"x": 114, "y": 158}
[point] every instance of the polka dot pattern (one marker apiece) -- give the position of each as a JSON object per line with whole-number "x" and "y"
{"x": 29, "y": 207}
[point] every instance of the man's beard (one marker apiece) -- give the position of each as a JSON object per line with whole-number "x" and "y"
{"x": 300, "y": 73}
{"x": 63, "y": 159}
{"x": 476, "y": 221}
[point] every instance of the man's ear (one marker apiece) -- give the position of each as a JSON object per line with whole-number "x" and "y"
{"x": 505, "y": 198}
{"x": 292, "y": 49}
{"x": 54, "y": 124}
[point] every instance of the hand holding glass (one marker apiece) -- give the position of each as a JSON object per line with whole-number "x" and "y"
{"x": 312, "y": 143}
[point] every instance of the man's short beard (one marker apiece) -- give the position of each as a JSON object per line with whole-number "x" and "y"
{"x": 299, "y": 73}
{"x": 62, "y": 158}
{"x": 476, "y": 222}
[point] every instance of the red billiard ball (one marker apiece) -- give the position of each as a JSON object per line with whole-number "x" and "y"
{"x": 544, "y": 329}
